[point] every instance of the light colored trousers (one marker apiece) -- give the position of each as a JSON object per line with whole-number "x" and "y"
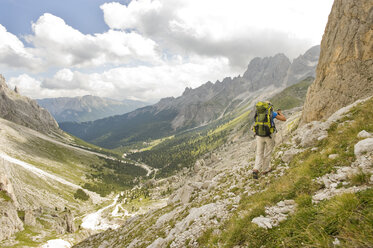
{"x": 264, "y": 147}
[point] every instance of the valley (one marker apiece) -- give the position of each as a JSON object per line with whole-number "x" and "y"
{"x": 180, "y": 172}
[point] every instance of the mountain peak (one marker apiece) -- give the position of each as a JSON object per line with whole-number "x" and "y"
{"x": 263, "y": 72}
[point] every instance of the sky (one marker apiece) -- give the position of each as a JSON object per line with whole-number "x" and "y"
{"x": 146, "y": 49}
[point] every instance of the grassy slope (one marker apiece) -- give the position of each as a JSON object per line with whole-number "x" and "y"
{"x": 184, "y": 149}
{"x": 347, "y": 217}
{"x": 112, "y": 132}
{"x": 293, "y": 96}
{"x": 72, "y": 164}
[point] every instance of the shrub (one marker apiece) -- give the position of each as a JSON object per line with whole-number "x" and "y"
{"x": 80, "y": 194}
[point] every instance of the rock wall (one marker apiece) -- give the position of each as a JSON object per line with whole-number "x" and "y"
{"x": 24, "y": 111}
{"x": 345, "y": 69}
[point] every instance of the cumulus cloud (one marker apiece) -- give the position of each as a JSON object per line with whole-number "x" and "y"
{"x": 238, "y": 29}
{"x": 61, "y": 45}
{"x": 14, "y": 54}
{"x": 156, "y": 48}
{"x": 33, "y": 88}
{"x": 141, "y": 82}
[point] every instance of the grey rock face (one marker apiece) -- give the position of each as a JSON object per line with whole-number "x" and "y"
{"x": 24, "y": 111}
{"x": 304, "y": 66}
{"x": 363, "y": 147}
{"x": 263, "y": 72}
{"x": 69, "y": 222}
{"x": 345, "y": 69}
{"x": 9, "y": 220}
{"x": 364, "y": 134}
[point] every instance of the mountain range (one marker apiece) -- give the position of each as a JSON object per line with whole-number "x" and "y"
{"x": 199, "y": 106}
{"x": 87, "y": 108}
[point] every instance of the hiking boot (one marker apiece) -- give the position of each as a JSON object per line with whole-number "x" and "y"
{"x": 255, "y": 174}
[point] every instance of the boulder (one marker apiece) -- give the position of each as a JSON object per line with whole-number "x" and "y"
{"x": 364, "y": 134}
{"x": 333, "y": 156}
{"x": 30, "y": 219}
{"x": 262, "y": 222}
{"x": 363, "y": 147}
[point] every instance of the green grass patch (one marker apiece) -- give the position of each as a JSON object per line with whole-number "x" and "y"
{"x": 21, "y": 214}
{"x": 24, "y": 238}
{"x": 360, "y": 178}
{"x": 5, "y": 196}
{"x": 184, "y": 149}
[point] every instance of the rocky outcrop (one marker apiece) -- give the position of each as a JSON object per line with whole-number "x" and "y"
{"x": 24, "y": 111}
{"x": 308, "y": 134}
{"x": 68, "y": 222}
{"x": 336, "y": 183}
{"x": 275, "y": 214}
{"x": 30, "y": 219}
{"x": 6, "y": 186}
{"x": 345, "y": 69}
{"x": 10, "y": 223}
{"x": 304, "y": 66}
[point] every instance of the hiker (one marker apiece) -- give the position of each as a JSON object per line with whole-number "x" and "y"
{"x": 264, "y": 129}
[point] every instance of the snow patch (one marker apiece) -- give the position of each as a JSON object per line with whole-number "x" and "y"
{"x": 57, "y": 243}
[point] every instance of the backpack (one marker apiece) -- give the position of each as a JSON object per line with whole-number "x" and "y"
{"x": 263, "y": 124}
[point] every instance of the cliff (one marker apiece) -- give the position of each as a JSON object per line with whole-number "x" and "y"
{"x": 345, "y": 70}
{"x": 24, "y": 111}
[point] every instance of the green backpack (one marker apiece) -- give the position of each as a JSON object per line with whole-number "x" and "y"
{"x": 263, "y": 125}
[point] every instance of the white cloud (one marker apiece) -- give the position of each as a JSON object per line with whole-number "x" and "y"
{"x": 32, "y": 87}
{"x": 14, "y": 54}
{"x": 158, "y": 47}
{"x": 142, "y": 82}
{"x": 62, "y": 45}
{"x": 238, "y": 29}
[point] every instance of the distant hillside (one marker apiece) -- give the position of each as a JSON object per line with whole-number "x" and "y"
{"x": 292, "y": 96}
{"x": 195, "y": 107}
{"x": 87, "y": 108}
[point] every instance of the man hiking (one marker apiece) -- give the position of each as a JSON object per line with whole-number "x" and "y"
{"x": 264, "y": 128}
